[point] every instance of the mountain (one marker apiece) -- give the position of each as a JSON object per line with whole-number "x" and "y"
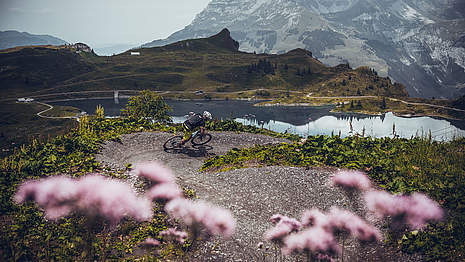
{"x": 420, "y": 43}
{"x": 11, "y": 38}
{"x": 110, "y": 50}
{"x": 213, "y": 65}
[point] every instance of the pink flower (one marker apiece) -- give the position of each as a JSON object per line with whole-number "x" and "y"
{"x": 150, "y": 242}
{"x": 155, "y": 172}
{"x": 181, "y": 208}
{"x": 343, "y": 220}
{"x": 314, "y": 217}
{"x": 111, "y": 199}
{"x": 278, "y": 232}
{"x": 383, "y": 204}
{"x": 415, "y": 210}
{"x": 219, "y": 221}
{"x": 352, "y": 180}
{"x": 284, "y": 226}
{"x": 422, "y": 210}
{"x": 92, "y": 195}
{"x": 52, "y": 190}
{"x": 215, "y": 220}
{"x": 164, "y": 191}
{"x": 172, "y": 233}
{"x": 55, "y": 195}
{"x": 315, "y": 240}
{"x": 276, "y": 218}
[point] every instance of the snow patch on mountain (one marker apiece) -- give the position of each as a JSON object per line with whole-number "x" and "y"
{"x": 409, "y": 13}
{"x": 363, "y": 17}
{"x": 443, "y": 51}
{"x": 331, "y": 6}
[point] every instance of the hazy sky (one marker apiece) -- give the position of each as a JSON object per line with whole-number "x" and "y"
{"x": 100, "y": 22}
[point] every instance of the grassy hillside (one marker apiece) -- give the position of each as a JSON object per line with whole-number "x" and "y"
{"x": 31, "y": 69}
{"x": 211, "y": 64}
{"x": 20, "y": 124}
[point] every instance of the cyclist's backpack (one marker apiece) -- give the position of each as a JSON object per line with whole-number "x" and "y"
{"x": 195, "y": 121}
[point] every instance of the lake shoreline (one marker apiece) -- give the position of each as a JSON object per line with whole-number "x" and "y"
{"x": 298, "y": 119}
{"x": 398, "y": 114}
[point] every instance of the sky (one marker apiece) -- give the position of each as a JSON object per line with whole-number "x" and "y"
{"x": 100, "y": 23}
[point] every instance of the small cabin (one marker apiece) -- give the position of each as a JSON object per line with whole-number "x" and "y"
{"x": 135, "y": 53}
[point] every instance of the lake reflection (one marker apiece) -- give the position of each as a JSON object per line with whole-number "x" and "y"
{"x": 375, "y": 126}
{"x": 298, "y": 120}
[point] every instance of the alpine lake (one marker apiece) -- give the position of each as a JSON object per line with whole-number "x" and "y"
{"x": 301, "y": 120}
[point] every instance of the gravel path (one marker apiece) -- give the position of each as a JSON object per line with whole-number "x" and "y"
{"x": 252, "y": 194}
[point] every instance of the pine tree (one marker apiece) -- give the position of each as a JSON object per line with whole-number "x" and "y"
{"x": 383, "y": 103}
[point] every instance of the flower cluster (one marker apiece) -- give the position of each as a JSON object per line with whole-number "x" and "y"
{"x": 316, "y": 231}
{"x": 215, "y": 220}
{"x": 93, "y": 195}
{"x": 284, "y": 226}
{"x": 415, "y": 210}
{"x": 150, "y": 242}
{"x": 173, "y": 234}
{"x": 195, "y": 214}
{"x": 163, "y": 181}
{"x": 351, "y": 180}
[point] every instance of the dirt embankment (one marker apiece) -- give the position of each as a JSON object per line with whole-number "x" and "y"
{"x": 252, "y": 194}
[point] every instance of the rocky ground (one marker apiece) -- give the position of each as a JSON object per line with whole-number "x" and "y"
{"x": 252, "y": 194}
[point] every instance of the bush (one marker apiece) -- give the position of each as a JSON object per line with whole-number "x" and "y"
{"x": 263, "y": 93}
{"x": 148, "y": 104}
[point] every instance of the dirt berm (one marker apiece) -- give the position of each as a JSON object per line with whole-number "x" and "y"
{"x": 252, "y": 194}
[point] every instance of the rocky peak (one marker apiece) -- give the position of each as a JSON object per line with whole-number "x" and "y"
{"x": 416, "y": 42}
{"x": 300, "y": 51}
{"x": 223, "y": 39}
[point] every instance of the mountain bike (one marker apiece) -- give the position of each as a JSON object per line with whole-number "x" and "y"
{"x": 196, "y": 139}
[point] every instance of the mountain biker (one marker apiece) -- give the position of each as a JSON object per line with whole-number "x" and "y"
{"x": 194, "y": 122}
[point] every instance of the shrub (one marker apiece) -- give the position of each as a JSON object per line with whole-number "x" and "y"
{"x": 148, "y": 104}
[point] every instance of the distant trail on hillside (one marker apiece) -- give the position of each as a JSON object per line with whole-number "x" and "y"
{"x": 425, "y": 104}
{"x": 99, "y": 80}
{"x": 50, "y": 107}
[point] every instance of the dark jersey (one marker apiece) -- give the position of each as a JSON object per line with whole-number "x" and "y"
{"x": 195, "y": 121}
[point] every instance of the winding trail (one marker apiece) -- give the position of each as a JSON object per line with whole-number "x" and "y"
{"x": 252, "y": 194}
{"x": 426, "y": 104}
{"x": 50, "y": 107}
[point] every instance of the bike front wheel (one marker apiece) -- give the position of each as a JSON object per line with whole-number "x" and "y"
{"x": 172, "y": 143}
{"x": 201, "y": 140}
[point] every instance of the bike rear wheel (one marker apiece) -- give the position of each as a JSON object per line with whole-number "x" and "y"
{"x": 198, "y": 139}
{"x": 172, "y": 143}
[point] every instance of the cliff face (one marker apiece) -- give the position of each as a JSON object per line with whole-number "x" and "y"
{"x": 418, "y": 43}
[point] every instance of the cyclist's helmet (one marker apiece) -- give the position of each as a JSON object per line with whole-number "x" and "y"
{"x": 207, "y": 115}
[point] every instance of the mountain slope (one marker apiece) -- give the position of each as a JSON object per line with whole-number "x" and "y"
{"x": 418, "y": 43}
{"x": 11, "y": 38}
{"x": 32, "y": 69}
{"x": 213, "y": 65}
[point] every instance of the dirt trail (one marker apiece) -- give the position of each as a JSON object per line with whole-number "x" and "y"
{"x": 252, "y": 194}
